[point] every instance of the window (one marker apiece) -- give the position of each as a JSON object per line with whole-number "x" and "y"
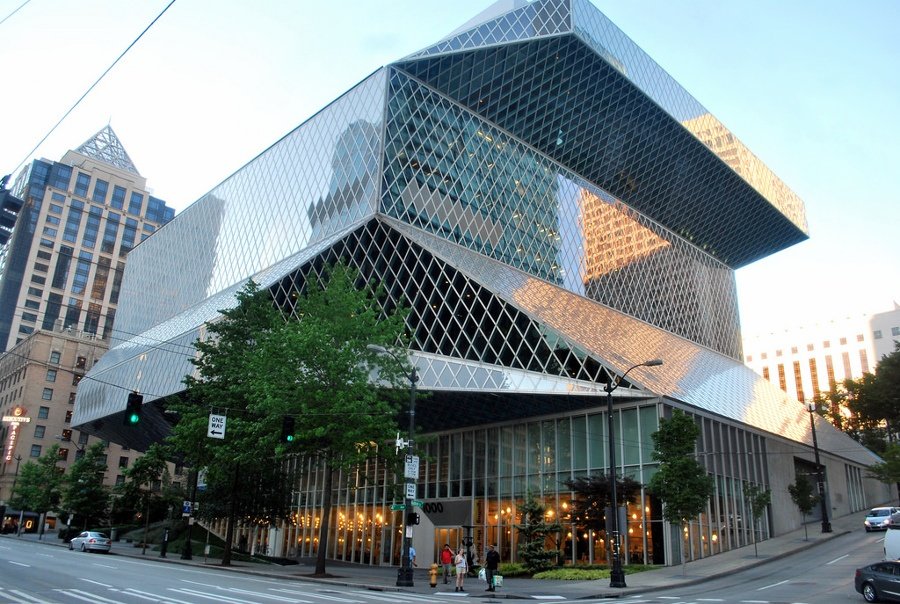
{"x": 793, "y": 350}
{"x": 69, "y": 416}
{"x": 29, "y": 316}
{"x": 895, "y": 331}
{"x": 64, "y": 454}
{"x": 778, "y": 353}
{"x": 749, "y": 358}
{"x": 136, "y": 204}
{"x": 82, "y": 182}
{"x": 71, "y": 398}
{"x": 55, "y": 356}
{"x": 76, "y": 379}
{"x": 40, "y": 266}
{"x": 51, "y": 375}
{"x": 876, "y": 334}
{"x": 826, "y": 344}
{"x": 35, "y": 450}
{"x": 859, "y": 337}
{"x": 120, "y": 480}
{"x": 764, "y": 356}
{"x": 810, "y": 347}
{"x": 66, "y": 436}
{"x": 33, "y": 291}
{"x": 100, "y": 189}
{"x": 43, "y": 412}
{"x": 39, "y": 431}
{"x": 123, "y": 462}
{"x": 843, "y": 341}
{"x": 55, "y": 208}
{"x": 118, "y": 198}
{"x": 80, "y": 362}
{"x": 47, "y": 395}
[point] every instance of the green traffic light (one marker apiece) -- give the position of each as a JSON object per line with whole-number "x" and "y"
{"x": 289, "y": 438}
{"x": 134, "y": 418}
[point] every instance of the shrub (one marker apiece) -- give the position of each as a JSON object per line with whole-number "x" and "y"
{"x": 513, "y": 569}
{"x": 573, "y": 574}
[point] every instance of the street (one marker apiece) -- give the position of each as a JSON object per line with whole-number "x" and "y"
{"x": 33, "y": 572}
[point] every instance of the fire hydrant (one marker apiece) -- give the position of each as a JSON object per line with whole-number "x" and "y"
{"x": 432, "y": 575}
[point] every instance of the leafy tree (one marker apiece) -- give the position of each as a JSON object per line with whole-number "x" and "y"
{"x": 39, "y": 485}
{"x": 148, "y": 489}
{"x": 804, "y": 498}
{"x": 317, "y": 370}
{"x": 889, "y": 469}
{"x": 592, "y": 494}
{"x": 681, "y": 483}
{"x": 758, "y": 499}
{"x": 533, "y": 533}
{"x": 84, "y": 495}
{"x": 867, "y": 423}
{"x": 223, "y": 382}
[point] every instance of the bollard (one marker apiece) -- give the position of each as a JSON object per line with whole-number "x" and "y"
{"x": 432, "y": 575}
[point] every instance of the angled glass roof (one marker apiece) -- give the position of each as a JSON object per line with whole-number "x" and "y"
{"x": 105, "y": 146}
{"x": 560, "y": 76}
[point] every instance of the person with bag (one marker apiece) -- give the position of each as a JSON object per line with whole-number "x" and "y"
{"x": 447, "y": 561}
{"x": 491, "y": 564}
{"x": 462, "y": 567}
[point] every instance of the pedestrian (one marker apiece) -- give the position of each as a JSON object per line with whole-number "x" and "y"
{"x": 412, "y": 556}
{"x": 491, "y": 564}
{"x": 447, "y": 561}
{"x": 462, "y": 567}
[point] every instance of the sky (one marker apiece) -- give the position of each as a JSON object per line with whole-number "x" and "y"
{"x": 811, "y": 87}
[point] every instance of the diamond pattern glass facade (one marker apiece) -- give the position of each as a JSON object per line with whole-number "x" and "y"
{"x": 535, "y": 190}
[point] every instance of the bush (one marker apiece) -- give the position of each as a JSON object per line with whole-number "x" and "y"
{"x": 573, "y": 574}
{"x": 513, "y": 569}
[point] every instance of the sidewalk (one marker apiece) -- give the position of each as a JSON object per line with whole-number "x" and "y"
{"x": 384, "y": 578}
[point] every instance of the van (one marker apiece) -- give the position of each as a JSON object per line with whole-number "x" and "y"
{"x": 892, "y": 541}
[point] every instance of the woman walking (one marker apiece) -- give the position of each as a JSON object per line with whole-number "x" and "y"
{"x": 462, "y": 567}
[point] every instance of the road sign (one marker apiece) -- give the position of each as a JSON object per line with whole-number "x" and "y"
{"x": 216, "y": 427}
{"x": 410, "y": 490}
{"x": 396, "y": 507}
{"x": 186, "y": 508}
{"x": 411, "y": 469}
{"x": 416, "y": 503}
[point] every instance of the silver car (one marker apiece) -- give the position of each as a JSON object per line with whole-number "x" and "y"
{"x": 879, "y": 519}
{"x": 91, "y": 541}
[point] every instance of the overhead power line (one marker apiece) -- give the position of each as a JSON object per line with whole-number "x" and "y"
{"x": 92, "y": 86}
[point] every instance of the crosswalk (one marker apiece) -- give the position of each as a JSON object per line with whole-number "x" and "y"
{"x": 188, "y": 592}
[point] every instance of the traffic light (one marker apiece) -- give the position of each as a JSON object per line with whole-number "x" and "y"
{"x": 133, "y": 409}
{"x": 412, "y": 518}
{"x": 287, "y": 429}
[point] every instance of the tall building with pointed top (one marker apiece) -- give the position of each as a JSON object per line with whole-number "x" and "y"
{"x": 62, "y": 267}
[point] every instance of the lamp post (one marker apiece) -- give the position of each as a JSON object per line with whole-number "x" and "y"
{"x": 820, "y": 478}
{"x": 617, "y": 575}
{"x": 405, "y": 572}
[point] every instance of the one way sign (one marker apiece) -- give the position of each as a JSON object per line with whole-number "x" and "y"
{"x": 216, "y": 427}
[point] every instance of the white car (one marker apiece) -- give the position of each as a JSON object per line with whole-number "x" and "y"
{"x": 91, "y": 541}
{"x": 879, "y": 519}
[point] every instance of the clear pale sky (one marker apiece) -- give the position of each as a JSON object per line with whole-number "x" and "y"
{"x": 811, "y": 87}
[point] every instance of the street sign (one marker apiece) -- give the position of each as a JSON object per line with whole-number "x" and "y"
{"x": 410, "y": 490}
{"x": 411, "y": 469}
{"x": 396, "y": 507}
{"x": 185, "y": 508}
{"x": 416, "y": 503}
{"x": 216, "y": 427}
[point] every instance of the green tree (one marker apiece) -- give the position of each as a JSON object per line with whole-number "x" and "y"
{"x": 533, "y": 534}
{"x": 681, "y": 483}
{"x": 592, "y": 494}
{"x": 317, "y": 369}
{"x": 888, "y": 470}
{"x": 84, "y": 496}
{"x": 758, "y": 499}
{"x": 39, "y": 485}
{"x": 147, "y": 490}
{"x": 223, "y": 382}
{"x": 804, "y": 498}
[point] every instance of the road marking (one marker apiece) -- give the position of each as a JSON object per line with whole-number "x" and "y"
{"x": 26, "y": 598}
{"x": 710, "y": 600}
{"x": 755, "y": 602}
{"x": 19, "y": 564}
{"x": 83, "y": 595}
{"x": 216, "y": 597}
{"x": 157, "y": 598}
{"x": 837, "y": 559}
{"x": 546, "y": 597}
{"x": 772, "y": 585}
{"x": 96, "y": 582}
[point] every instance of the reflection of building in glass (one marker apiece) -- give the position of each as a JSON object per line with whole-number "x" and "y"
{"x": 550, "y": 223}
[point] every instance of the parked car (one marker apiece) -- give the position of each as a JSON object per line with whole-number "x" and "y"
{"x": 879, "y": 519}
{"x": 879, "y": 581}
{"x": 91, "y": 541}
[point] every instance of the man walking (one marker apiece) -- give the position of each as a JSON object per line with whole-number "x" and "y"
{"x": 491, "y": 564}
{"x": 447, "y": 561}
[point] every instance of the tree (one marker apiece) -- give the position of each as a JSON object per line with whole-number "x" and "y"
{"x": 223, "y": 383}
{"x": 317, "y": 369}
{"x": 533, "y": 533}
{"x": 592, "y": 494}
{"x": 39, "y": 485}
{"x": 681, "y": 483}
{"x": 804, "y": 498}
{"x": 757, "y": 498}
{"x": 84, "y": 496}
{"x": 888, "y": 470}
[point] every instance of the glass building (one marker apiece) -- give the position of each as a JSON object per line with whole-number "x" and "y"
{"x": 554, "y": 209}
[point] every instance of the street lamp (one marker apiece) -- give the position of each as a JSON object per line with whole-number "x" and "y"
{"x": 826, "y": 525}
{"x": 617, "y": 575}
{"x": 405, "y": 572}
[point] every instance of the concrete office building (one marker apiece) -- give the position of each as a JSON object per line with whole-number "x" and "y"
{"x": 62, "y": 266}
{"x": 808, "y": 360}
{"x": 555, "y": 210}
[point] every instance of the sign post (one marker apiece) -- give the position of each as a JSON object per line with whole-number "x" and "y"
{"x": 216, "y": 427}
